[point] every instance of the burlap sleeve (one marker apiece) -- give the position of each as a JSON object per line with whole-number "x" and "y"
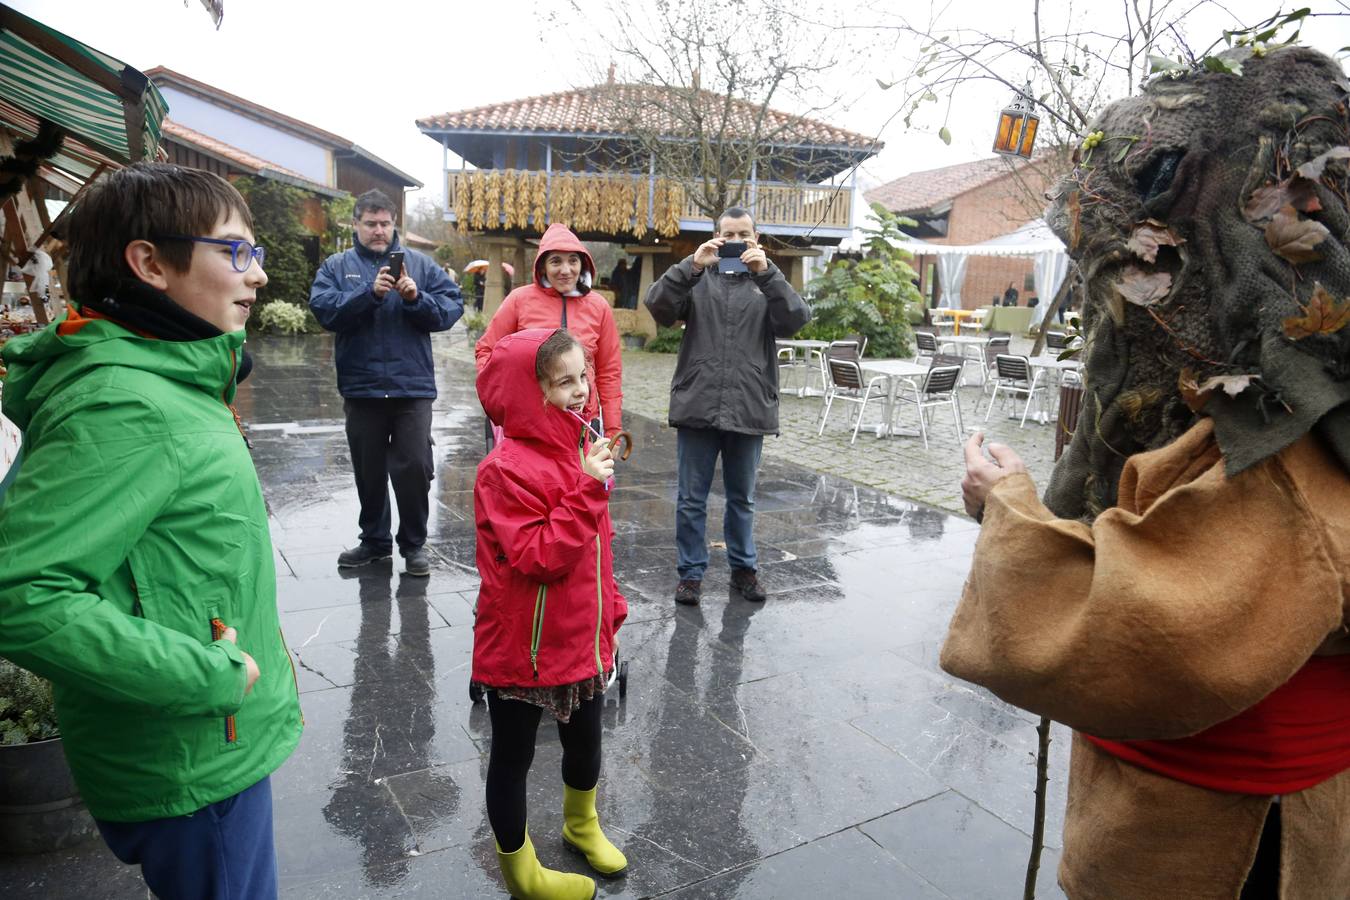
{"x": 1172, "y": 612}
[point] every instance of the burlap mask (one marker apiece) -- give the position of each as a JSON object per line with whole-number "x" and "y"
{"x": 1210, "y": 224}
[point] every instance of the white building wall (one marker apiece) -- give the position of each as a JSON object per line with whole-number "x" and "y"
{"x": 297, "y": 154}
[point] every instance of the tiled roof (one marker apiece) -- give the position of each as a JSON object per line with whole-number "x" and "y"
{"x": 595, "y": 110}
{"x": 925, "y": 190}
{"x": 242, "y": 159}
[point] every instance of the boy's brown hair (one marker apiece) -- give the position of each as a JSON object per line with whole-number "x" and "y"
{"x": 143, "y": 202}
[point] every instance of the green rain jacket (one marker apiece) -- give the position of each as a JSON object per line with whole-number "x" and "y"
{"x": 133, "y": 534}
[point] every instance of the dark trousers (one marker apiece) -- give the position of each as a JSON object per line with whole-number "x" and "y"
{"x": 390, "y": 441}
{"x": 514, "y": 725}
{"x": 220, "y": 852}
{"x": 696, "y": 453}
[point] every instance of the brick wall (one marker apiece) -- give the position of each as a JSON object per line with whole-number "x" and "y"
{"x": 985, "y": 212}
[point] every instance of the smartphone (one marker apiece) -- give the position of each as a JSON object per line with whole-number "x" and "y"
{"x": 729, "y": 257}
{"x": 396, "y": 264}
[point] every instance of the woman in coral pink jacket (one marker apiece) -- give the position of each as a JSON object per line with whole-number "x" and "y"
{"x": 548, "y": 606}
{"x": 560, "y": 297}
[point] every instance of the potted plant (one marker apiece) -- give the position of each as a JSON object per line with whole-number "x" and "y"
{"x": 475, "y": 323}
{"x": 40, "y": 807}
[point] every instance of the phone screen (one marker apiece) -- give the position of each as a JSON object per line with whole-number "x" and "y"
{"x": 396, "y": 264}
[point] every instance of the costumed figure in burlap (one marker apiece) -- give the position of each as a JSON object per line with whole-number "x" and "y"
{"x": 1179, "y": 596}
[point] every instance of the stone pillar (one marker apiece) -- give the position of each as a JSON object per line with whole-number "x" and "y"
{"x": 793, "y": 263}
{"x": 493, "y": 295}
{"x": 646, "y": 254}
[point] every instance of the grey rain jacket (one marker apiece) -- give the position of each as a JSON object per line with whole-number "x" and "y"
{"x": 727, "y": 374}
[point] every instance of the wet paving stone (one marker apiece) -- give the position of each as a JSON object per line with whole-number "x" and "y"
{"x": 792, "y": 749}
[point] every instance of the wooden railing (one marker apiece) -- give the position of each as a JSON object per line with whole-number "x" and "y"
{"x": 637, "y": 205}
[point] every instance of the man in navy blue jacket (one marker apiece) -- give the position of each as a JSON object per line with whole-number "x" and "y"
{"x": 386, "y": 376}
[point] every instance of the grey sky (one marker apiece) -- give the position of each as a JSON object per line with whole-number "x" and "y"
{"x": 369, "y": 74}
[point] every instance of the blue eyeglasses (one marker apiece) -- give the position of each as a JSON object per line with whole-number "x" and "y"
{"x": 242, "y": 253}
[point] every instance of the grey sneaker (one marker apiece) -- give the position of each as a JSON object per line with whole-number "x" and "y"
{"x": 687, "y": 592}
{"x": 744, "y": 582}
{"x": 361, "y": 555}
{"x": 417, "y": 563}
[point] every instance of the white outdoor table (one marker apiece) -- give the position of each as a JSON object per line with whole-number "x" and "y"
{"x": 895, "y": 370}
{"x": 801, "y": 357}
{"x": 1054, "y": 368}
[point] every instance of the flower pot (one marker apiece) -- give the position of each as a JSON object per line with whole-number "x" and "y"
{"x": 633, "y": 341}
{"x": 40, "y": 807}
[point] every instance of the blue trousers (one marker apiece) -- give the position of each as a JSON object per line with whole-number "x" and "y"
{"x": 220, "y": 852}
{"x": 696, "y": 452}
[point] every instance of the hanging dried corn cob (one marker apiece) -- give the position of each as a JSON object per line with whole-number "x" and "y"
{"x": 641, "y": 187}
{"x": 564, "y": 198}
{"x": 462, "y": 201}
{"x": 509, "y": 198}
{"x": 539, "y": 201}
{"x": 494, "y": 199}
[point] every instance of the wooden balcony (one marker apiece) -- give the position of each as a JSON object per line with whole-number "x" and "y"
{"x": 630, "y": 206}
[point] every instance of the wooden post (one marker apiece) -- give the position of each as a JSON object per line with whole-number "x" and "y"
{"x": 646, "y": 254}
{"x": 793, "y": 263}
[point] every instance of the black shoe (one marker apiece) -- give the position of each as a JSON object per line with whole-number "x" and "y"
{"x": 687, "y": 592}
{"x": 415, "y": 562}
{"x": 361, "y": 555}
{"x": 746, "y": 584}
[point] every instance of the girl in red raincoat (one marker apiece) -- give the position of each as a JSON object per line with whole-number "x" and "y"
{"x": 548, "y": 607}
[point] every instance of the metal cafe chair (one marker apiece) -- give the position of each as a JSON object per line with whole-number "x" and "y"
{"x": 846, "y": 383}
{"x": 1014, "y": 375}
{"x": 938, "y": 388}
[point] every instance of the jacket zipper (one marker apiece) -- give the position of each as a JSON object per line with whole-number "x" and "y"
{"x": 599, "y": 609}
{"x": 218, "y": 631}
{"x": 234, "y": 368}
{"x": 537, "y": 630}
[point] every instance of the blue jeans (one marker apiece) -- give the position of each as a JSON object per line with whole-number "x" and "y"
{"x": 696, "y": 452}
{"x": 220, "y": 852}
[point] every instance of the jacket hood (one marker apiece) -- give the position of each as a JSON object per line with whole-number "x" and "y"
{"x": 512, "y": 398}
{"x": 41, "y": 363}
{"x": 559, "y": 238}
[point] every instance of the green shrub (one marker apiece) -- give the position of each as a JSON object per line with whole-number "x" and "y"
{"x": 280, "y": 317}
{"x": 873, "y": 296}
{"x": 667, "y": 340}
{"x": 26, "y": 710}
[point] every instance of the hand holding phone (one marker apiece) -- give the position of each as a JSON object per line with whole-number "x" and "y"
{"x": 729, "y": 257}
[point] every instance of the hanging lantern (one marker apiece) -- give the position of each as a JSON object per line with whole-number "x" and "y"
{"x": 1016, "y": 135}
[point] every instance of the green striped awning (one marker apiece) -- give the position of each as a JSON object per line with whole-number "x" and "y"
{"x": 105, "y": 103}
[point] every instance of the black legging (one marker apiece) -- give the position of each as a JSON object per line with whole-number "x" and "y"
{"x": 514, "y": 724}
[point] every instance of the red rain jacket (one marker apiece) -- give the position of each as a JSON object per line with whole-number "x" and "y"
{"x": 588, "y": 318}
{"x": 548, "y": 605}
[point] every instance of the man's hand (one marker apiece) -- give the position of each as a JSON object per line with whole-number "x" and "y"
{"x": 407, "y": 288}
{"x": 755, "y": 260}
{"x": 233, "y": 637}
{"x": 599, "y": 463}
{"x": 384, "y": 282}
{"x": 982, "y": 474}
{"x": 706, "y": 254}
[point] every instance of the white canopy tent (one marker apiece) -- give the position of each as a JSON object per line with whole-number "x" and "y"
{"x": 1034, "y": 239}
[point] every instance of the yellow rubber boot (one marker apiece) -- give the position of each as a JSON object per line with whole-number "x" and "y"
{"x": 581, "y": 832}
{"x": 527, "y": 880}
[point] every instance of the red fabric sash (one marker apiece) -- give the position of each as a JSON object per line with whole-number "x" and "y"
{"x": 1295, "y": 738}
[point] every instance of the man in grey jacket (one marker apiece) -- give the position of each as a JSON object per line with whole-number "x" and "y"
{"x": 724, "y": 396}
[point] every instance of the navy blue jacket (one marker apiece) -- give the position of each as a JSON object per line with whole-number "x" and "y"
{"x": 383, "y": 347}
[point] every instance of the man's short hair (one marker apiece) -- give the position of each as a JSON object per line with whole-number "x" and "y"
{"x": 735, "y": 212}
{"x": 143, "y": 202}
{"x": 371, "y": 200}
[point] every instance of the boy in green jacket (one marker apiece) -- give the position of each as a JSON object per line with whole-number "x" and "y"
{"x": 136, "y": 566}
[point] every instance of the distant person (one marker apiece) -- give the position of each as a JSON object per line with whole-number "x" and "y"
{"x": 137, "y": 569}
{"x": 541, "y": 505}
{"x": 451, "y": 274}
{"x": 560, "y": 296}
{"x": 386, "y": 375}
{"x": 479, "y": 287}
{"x": 1010, "y": 295}
{"x": 724, "y": 396}
{"x": 618, "y": 276}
